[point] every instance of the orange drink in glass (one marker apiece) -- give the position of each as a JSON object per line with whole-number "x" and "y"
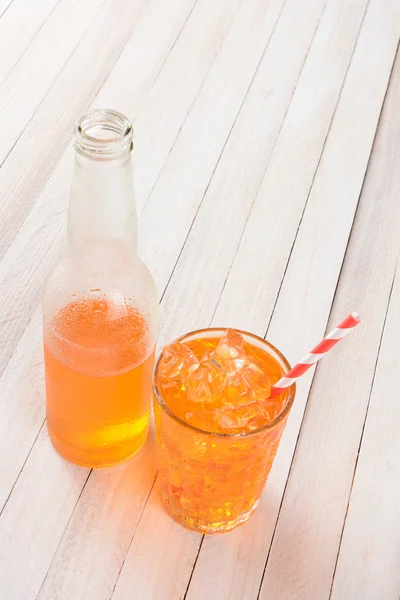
{"x": 217, "y": 431}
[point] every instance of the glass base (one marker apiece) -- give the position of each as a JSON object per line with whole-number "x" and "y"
{"x": 207, "y": 527}
{"x": 95, "y": 458}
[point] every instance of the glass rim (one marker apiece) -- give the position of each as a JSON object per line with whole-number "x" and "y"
{"x": 107, "y": 119}
{"x": 244, "y": 434}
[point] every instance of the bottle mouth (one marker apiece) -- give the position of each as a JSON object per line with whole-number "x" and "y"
{"x": 103, "y": 134}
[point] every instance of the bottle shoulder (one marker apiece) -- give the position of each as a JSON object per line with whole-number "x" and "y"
{"x": 71, "y": 279}
{"x": 69, "y": 271}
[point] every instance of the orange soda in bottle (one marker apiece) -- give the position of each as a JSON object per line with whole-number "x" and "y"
{"x": 100, "y": 307}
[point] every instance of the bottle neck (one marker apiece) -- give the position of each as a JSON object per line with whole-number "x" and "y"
{"x": 102, "y": 228}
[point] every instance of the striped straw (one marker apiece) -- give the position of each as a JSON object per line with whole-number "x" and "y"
{"x": 316, "y": 354}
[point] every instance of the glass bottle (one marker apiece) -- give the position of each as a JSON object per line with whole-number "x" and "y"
{"x": 100, "y": 307}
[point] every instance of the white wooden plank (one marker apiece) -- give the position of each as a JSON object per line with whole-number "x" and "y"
{"x": 4, "y": 6}
{"x": 157, "y": 28}
{"x": 158, "y": 570}
{"x": 18, "y": 27}
{"x": 21, "y": 405}
{"x": 19, "y": 190}
{"x": 33, "y": 544}
{"x": 322, "y": 471}
{"x": 43, "y": 140}
{"x": 89, "y": 571}
{"x": 159, "y": 119}
{"x": 293, "y": 328}
{"x": 145, "y": 57}
{"x": 237, "y": 180}
{"x": 239, "y": 168}
{"x": 368, "y": 565}
{"x": 22, "y": 92}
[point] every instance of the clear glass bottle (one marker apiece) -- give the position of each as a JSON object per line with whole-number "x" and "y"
{"x": 100, "y": 307}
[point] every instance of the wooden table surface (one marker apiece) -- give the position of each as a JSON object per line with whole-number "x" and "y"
{"x": 267, "y": 166}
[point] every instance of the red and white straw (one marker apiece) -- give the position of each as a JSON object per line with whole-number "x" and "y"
{"x": 316, "y": 354}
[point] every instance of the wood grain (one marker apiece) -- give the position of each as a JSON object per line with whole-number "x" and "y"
{"x": 40, "y": 205}
{"x": 21, "y": 405}
{"x": 235, "y": 177}
{"x": 370, "y": 551}
{"x": 321, "y": 475}
{"x": 113, "y": 501}
{"x": 28, "y": 82}
{"x": 18, "y": 27}
{"x": 159, "y": 120}
{"x": 46, "y": 134}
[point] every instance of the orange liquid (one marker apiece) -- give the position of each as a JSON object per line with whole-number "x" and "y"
{"x": 208, "y": 482}
{"x": 98, "y": 381}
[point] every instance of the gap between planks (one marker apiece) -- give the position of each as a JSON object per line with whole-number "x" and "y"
{"x": 308, "y": 577}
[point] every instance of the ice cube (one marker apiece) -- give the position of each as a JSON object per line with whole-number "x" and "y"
{"x": 229, "y": 355}
{"x": 236, "y": 391}
{"x": 240, "y": 419}
{"x": 258, "y": 381}
{"x": 205, "y": 383}
{"x": 270, "y": 408}
{"x": 199, "y": 386}
{"x": 178, "y": 362}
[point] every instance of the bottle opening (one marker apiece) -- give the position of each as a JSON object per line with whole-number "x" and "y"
{"x": 103, "y": 134}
